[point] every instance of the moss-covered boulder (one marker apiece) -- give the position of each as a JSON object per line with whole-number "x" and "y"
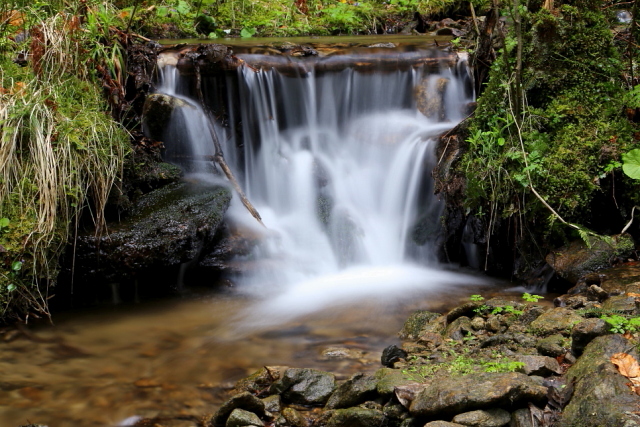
{"x": 601, "y": 395}
{"x": 559, "y": 320}
{"x": 356, "y": 390}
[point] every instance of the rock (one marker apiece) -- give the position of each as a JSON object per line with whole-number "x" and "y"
{"x": 340, "y": 353}
{"x": 614, "y": 281}
{"x": 539, "y": 365}
{"x": 167, "y": 228}
{"x": 356, "y": 390}
{"x": 356, "y": 417}
{"x": 624, "y": 303}
{"x": 242, "y": 418}
{"x": 157, "y": 111}
{"x": 459, "y": 328}
{"x": 388, "y": 379}
{"x": 478, "y": 391}
{"x": 246, "y": 401}
{"x": 414, "y": 324}
{"x": 601, "y": 395}
{"x": 294, "y": 418}
{"x": 478, "y": 323}
{"x": 557, "y": 320}
{"x": 484, "y": 418}
{"x": 392, "y": 354}
{"x": 272, "y": 403}
{"x": 466, "y": 309}
{"x": 431, "y": 340}
{"x": 585, "y": 331}
{"x": 442, "y": 424}
{"x": 576, "y": 260}
{"x": 494, "y": 324}
{"x": 429, "y": 96}
{"x": 552, "y": 346}
{"x": 305, "y": 386}
{"x": 596, "y": 293}
{"x": 499, "y": 339}
{"x": 521, "y": 418}
{"x": 530, "y": 314}
{"x": 260, "y": 380}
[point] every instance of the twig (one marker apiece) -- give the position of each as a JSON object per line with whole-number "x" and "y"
{"x": 626, "y": 227}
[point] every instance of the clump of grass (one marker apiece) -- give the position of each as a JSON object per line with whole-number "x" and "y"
{"x": 60, "y": 153}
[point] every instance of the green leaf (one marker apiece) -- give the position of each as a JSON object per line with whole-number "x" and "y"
{"x": 11, "y": 287}
{"x": 631, "y": 163}
{"x": 248, "y": 32}
{"x": 16, "y": 265}
{"x": 4, "y": 222}
{"x": 501, "y": 141}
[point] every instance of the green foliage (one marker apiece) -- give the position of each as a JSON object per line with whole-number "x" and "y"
{"x": 620, "y": 324}
{"x": 631, "y": 163}
{"x": 570, "y": 131}
{"x": 531, "y": 298}
{"x": 507, "y": 309}
{"x": 61, "y": 150}
{"x": 476, "y": 298}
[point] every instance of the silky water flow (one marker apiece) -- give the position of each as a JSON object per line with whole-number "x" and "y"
{"x": 338, "y": 165}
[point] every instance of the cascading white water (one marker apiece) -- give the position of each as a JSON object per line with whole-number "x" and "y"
{"x": 338, "y": 165}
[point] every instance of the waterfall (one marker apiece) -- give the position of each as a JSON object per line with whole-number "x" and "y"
{"x": 338, "y": 164}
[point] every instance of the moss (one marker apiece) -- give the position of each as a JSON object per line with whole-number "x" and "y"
{"x": 572, "y": 131}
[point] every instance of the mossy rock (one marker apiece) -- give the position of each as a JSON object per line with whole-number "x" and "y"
{"x": 415, "y": 323}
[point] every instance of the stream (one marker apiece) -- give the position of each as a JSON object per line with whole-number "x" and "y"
{"x": 174, "y": 358}
{"x": 338, "y": 163}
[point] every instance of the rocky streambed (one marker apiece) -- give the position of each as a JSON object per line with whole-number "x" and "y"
{"x": 493, "y": 362}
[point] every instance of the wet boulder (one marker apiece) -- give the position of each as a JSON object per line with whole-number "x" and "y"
{"x": 479, "y": 391}
{"x": 168, "y": 227}
{"x": 260, "y": 380}
{"x": 392, "y": 354}
{"x": 601, "y": 395}
{"x": 294, "y": 418}
{"x": 305, "y": 386}
{"x": 577, "y": 259}
{"x": 429, "y": 95}
{"x": 388, "y": 379}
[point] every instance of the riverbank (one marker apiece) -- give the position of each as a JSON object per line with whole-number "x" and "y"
{"x": 486, "y": 362}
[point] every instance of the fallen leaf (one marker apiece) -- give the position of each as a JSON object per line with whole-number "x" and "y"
{"x": 627, "y": 364}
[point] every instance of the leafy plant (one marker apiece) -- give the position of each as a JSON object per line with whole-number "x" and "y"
{"x": 621, "y": 324}
{"x": 631, "y": 163}
{"x": 476, "y": 298}
{"x": 531, "y": 298}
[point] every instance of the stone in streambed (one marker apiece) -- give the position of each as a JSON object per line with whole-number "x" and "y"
{"x": 442, "y": 424}
{"x": 584, "y": 332}
{"x": 415, "y": 323}
{"x": 242, "y": 418}
{"x": 392, "y": 354}
{"x": 294, "y": 418}
{"x": 245, "y": 401}
{"x": 484, "y": 418}
{"x": 521, "y": 418}
{"x": 305, "y": 386}
{"x": 356, "y": 390}
{"x": 459, "y": 328}
{"x": 559, "y": 320}
{"x": 479, "y": 391}
{"x": 388, "y": 379}
{"x": 552, "y": 346}
{"x": 601, "y": 395}
{"x": 539, "y": 365}
{"x": 260, "y": 380}
{"x": 356, "y": 417}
